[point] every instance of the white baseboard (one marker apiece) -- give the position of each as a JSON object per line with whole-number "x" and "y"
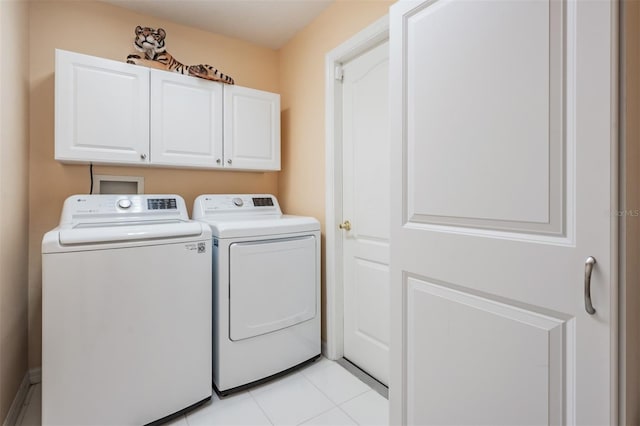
{"x": 18, "y": 401}
{"x": 35, "y": 375}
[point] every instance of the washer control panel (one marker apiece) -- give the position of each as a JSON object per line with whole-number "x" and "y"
{"x": 105, "y": 207}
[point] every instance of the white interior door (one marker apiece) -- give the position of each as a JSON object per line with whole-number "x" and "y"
{"x": 503, "y": 182}
{"x": 366, "y": 207}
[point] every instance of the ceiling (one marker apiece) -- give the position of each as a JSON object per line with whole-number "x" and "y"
{"x": 269, "y": 23}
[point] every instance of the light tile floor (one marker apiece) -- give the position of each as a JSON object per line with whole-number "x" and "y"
{"x": 323, "y": 393}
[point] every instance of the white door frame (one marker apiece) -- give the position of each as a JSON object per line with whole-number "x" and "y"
{"x": 371, "y": 36}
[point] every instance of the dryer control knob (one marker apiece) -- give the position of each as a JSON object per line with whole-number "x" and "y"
{"x": 125, "y": 203}
{"x": 238, "y": 201}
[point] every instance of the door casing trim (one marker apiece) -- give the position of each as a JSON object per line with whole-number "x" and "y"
{"x": 373, "y": 35}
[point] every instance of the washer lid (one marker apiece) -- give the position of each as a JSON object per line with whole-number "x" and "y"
{"x": 261, "y": 226}
{"x": 92, "y": 221}
{"x": 125, "y": 232}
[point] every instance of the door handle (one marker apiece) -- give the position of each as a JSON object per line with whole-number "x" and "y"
{"x": 346, "y": 225}
{"x": 588, "y": 268}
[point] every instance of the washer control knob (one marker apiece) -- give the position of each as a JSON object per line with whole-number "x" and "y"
{"x": 125, "y": 203}
{"x": 238, "y": 201}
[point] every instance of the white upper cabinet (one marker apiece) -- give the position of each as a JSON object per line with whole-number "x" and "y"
{"x": 251, "y": 129}
{"x": 102, "y": 110}
{"x": 110, "y": 112}
{"x": 186, "y": 120}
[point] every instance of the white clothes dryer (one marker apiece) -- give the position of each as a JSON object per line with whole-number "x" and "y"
{"x": 126, "y": 311}
{"x": 266, "y": 288}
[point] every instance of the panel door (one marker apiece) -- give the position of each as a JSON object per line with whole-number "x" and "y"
{"x": 251, "y": 129}
{"x": 101, "y": 110}
{"x": 503, "y": 183}
{"x": 365, "y": 204}
{"x": 186, "y": 121}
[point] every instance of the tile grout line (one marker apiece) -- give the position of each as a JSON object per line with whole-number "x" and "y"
{"x": 350, "y": 416}
{"x": 347, "y": 414}
{"x": 261, "y": 409}
{"x": 335, "y": 405}
{"x": 301, "y": 373}
{"x": 357, "y": 396}
{"x": 369, "y": 388}
{"x": 323, "y": 394}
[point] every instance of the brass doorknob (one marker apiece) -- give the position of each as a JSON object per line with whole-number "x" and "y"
{"x": 346, "y": 225}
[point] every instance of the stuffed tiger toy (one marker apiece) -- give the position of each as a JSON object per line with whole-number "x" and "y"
{"x": 151, "y": 42}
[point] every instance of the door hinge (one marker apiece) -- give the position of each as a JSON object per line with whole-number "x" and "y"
{"x": 339, "y": 73}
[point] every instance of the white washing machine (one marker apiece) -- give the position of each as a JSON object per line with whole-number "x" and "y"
{"x": 266, "y": 288}
{"x": 126, "y": 311}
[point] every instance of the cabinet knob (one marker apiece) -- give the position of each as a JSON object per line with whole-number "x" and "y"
{"x": 143, "y": 156}
{"x": 218, "y": 161}
{"x": 229, "y": 161}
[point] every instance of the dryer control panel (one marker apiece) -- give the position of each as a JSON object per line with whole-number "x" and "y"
{"x": 222, "y": 204}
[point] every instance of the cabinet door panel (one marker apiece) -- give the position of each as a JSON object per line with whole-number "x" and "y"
{"x": 102, "y": 110}
{"x": 251, "y": 129}
{"x": 186, "y": 121}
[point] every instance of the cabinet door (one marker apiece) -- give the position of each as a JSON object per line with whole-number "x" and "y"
{"x": 186, "y": 121}
{"x": 102, "y": 110}
{"x": 251, "y": 129}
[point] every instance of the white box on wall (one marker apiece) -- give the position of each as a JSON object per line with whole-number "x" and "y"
{"x": 105, "y": 184}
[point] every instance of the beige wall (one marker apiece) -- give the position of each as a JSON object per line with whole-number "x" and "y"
{"x": 106, "y": 31}
{"x": 14, "y": 169}
{"x": 630, "y": 194}
{"x": 301, "y": 182}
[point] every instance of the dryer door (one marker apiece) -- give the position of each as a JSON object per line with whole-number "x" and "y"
{"x": 272, "y": 285}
